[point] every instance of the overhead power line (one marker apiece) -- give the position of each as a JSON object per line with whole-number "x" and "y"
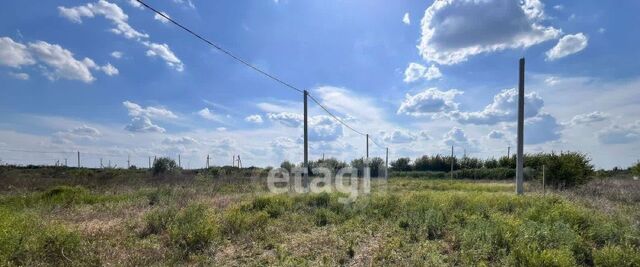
{"x": 335, "y": 117}
{"x": 244, "y": 62}
{"x": 221, "y": 49}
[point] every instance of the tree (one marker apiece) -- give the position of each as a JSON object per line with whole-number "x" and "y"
{"x": 287, "y": 165}
{"x": 491, "y": 163}
{"x": 164, "y": 165}
{"x": 635, "y": 169}
{"x": 401, "y": 164}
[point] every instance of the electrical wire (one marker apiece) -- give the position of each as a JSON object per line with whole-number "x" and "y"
{"x": 221, "y": 49}
{"x": 244, "y": 62}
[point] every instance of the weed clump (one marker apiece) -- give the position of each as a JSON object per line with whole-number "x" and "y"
{"x": 24, "y": 241}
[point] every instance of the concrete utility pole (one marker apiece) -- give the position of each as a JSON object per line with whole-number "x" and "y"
{"x": 386, "y": 164}
{"x": 78, "y": 159}
{"x": 451, "y": 163}
{"x": 367, "y": 146}
{"x": 179, "y": 161}
{"x": 520, "y": 157}
{"x": 128, "y": 161}
{"x": 149, "y": 162}
{"x": 305, "y": 175}
{"x": 508, "y": 152}
{"x": 207, "y": 161}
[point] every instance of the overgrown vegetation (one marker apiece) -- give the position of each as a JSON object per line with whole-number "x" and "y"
{"x": 206, "y": 219}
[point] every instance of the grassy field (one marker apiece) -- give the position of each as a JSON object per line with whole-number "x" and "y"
{"x": 132, "y": 220}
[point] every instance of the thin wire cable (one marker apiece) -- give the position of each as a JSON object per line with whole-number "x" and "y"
{"x": 221, "y": 49}
{"x": 374, "y": 142}
{"x": 334, "y": 116}
{"x": 247, "y": 64}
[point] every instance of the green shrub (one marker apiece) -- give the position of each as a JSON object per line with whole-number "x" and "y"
{"x": 163, "y": 166}
{"x": 562, "y": 170}
{"x": 616, "y": 256}
{"x": 323, "y": 216}
{"x": 423, "y": 224}
{"x": 25, "y": 240}
{"x": 635, "y": 169}
{"x": 193, "y": 229}
{"x": 157, "y": 221}
{"x": 237, "y": 221}
{"x": 272, "y": 205}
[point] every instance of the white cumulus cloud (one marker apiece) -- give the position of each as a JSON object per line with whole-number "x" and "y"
{"x": 406, "y": 19}
{"x": 136, "y": 110}
{"x": 454, "y": 30}
{"x": 415, "y": 72}
{"x": 567, "y": 45}
{"x": 254, "y": 118}
{"x": 430, "y": 102}
{"x": 504, "y": 108}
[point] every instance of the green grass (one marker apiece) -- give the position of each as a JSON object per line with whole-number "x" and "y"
{"x": 411, "y": 222}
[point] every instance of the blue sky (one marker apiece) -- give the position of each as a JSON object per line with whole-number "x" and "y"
{"x": 110, "y": 80}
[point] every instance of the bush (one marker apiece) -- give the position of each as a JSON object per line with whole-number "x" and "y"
{"x": 616, "y": 256}
{"x": 26, "y": 241}
{"x": 635, "y": 169}
{"x": 164, "y": 165}
{"x": 401, "y": 164}
{"x": 157, "y": 221}
{"x": 193, "y": 229}
{"x": 238, "y": 221}
{"x": 567, "y": 169}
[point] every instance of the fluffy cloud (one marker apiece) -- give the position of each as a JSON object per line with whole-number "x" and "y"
{"x": 405, "y": 19}
{"x": 430, "y": 102}
{"x": 287, "y": 118}
{"x": 135, "y": 3}
{"x": 453, "y": 30}
{"x": 85, "y": 130}
{"x": 19, "y": 75}
{"x": 136, "y": 110}
{"x": 399, "y": 137}
{"x": 143, "y": 125}
{"x": 13, "y": 54}
{"x": 186, "y": 3}
{"x": 160, "y": 18}
{"x": 567, "y": 45}
{"x": 119, "y": 19}
{"x": 324, "y": 128}
{"x": 116, "y": 54}
{"x": 55, "y": 61}
{"x": 254, "y": 118}
{"x": 415, "y": 72}
{"x": 184, "y": 141}
{"x": 207, "y": 114}
{"x": 620, "y": 134}
{"x": 494, "y": 134}
{"x": 163, "y": 51}
{"x": 321, "y": 128}
{"x": 541, "y": 129}
{"x": 456, "y": 137}
{"x": 110, "y": 11}
{"x": 504, "y": 108}
{"x": 109, "y": 70}
{"x": 588, "y": 118}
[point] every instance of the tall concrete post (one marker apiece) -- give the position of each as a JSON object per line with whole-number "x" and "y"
{"x": 367, "y": 146}
{"x": 386, "y": 166}
{"x": 520, "y": 157}
{"x": 306, "y": 143}
{"x": 452, "y": 162}
{"x": 78, "y": 158}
